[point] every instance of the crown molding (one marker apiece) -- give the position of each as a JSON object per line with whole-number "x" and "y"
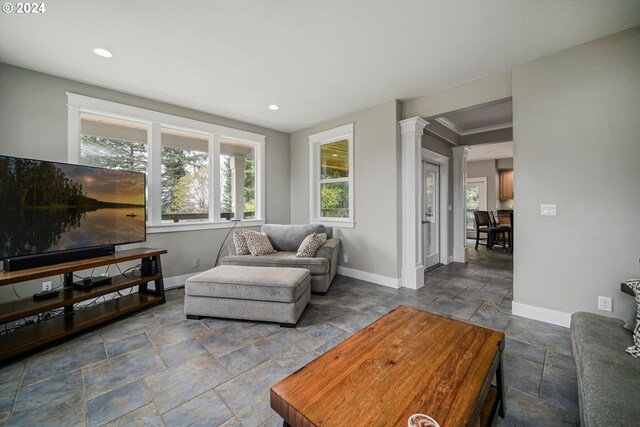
{"x": 455, "y": 128}
{"x": 487, "y": 128}
{"x": 449, "y": 125}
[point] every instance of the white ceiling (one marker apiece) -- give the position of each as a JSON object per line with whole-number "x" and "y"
{"x": 500, "y": 150}
{"x": 316, "y": 59}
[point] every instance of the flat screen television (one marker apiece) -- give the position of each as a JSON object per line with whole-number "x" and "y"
{"x": 49, "y": 208}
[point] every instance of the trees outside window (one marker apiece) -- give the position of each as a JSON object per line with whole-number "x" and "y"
{"x": 194, "y": 173}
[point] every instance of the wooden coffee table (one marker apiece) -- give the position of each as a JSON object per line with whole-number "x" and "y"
{"x": 406, "y": 362}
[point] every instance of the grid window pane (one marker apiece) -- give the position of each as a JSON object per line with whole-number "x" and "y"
{"x": 334, "y": 200}
{"x": 237, "y": 180}
{"x": 334, "y": 160}
{"x": 184, "y": 176}
{"x": 113, "y": 143}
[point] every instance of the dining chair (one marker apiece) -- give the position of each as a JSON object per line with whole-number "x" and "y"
{"x": 484, "y": 225}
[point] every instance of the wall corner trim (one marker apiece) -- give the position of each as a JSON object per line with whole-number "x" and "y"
{"x": 370, "y": 277}
{"x": 542, "y": 314}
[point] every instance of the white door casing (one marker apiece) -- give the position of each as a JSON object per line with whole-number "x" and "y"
{"x": 460, "y": 155}
{"x": 431, "y": 214}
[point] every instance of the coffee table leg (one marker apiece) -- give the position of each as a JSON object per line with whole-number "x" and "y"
{"x": 500, "y": 384}
{"x": 285, "y": 424}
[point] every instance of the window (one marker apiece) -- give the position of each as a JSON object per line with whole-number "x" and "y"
{"x": 199, "y": 175}
{"x": 237, "y": 177}
{"x": 476, "y": 199}
{"x": 113, "y": 143}
{"x": 184, "y": 176}
{"x": 331, "y": 177}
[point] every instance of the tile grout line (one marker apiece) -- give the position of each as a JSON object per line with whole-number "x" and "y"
{"x": 84, "y": 400}
{"x": 15, "y": 400}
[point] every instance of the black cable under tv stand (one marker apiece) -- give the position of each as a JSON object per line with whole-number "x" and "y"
{"x": 40, "y": 334}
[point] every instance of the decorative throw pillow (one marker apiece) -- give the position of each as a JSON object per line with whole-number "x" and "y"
{"x": 240, "y": 243}
{"x": 310, "y": 245}
{"x": 258, "y": 243}
{"x": 634, "y": 350}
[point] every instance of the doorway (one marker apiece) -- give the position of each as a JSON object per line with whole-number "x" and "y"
{"x": 476, "y": 200}
{"x": 431, "y": 214}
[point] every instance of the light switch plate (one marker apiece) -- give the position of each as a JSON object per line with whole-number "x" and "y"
{"x": 548, "y": 210}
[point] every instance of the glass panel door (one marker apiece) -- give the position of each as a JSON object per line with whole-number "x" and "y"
{"x": 430, "y": 214}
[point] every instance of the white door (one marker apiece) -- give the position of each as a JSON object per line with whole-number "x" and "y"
{"x": 431, "y": 213}
{"x": 476, "y": 200}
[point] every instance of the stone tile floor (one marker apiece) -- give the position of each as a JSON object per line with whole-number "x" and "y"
{"x": 156, "y": 368}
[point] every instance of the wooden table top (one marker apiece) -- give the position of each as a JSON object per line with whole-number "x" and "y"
{"x": 406, "y": 362}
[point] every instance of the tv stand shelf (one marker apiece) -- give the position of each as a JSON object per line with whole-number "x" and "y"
{"x": 42, "y": 333}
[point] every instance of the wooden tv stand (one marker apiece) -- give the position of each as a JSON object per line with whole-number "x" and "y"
{"x": 73, "y": 321}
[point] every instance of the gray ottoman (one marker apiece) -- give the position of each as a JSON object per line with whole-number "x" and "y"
{"x": 249, "y": 293}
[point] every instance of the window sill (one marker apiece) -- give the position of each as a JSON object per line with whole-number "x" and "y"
{"x": 172, "y": 228}
{"x": 333, "y": 223}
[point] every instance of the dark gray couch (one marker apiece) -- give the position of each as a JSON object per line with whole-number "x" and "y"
{"x": 286, "y": 239}
{"x": 608, "y": 377}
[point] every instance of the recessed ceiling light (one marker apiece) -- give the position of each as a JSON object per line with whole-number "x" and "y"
{"x": 334, "y": 155}
{"x": 273, "y": 107}
{"x": 102, "y": 52}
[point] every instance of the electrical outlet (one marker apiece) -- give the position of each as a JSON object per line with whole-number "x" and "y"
{"x": 47, "y": 286}
{"x": 548, "y": 210}
{"x": 196, "y": 262}
{"x": 604, "y": 303}
{"x": 345, "y": 257}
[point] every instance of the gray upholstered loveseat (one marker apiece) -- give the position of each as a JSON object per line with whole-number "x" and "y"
{"x": 608, "y": 377}
{"x": 286, "y": 240}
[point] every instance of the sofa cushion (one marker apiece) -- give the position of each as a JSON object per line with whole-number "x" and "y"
{"x": 240, "y": 243}
{"x": 258, "y": 243}
{"x": 250, "y": 283}
{"x": 599, "y": 336}
{"x": 310, "y": 245}
{"x": 608, "y": 377}
{"x": 609, "y": 391}
{"x": 318, "y": 265}
{"x": 634, "y": 350}
{"x": 290, "y": 237}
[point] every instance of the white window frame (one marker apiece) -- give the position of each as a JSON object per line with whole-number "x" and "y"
{"x": 155, "y": 121}
{"x": 315, "y": 142}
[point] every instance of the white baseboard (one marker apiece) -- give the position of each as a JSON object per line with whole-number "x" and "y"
{"x": 555, "y": 317}
{"x": 177, "y": 281}
{"x": 174, "y": 282}
{"x": 370, "y": 277}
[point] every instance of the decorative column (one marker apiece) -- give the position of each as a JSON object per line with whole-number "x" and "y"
{"x": 412, "y": 241}
{"x": 237, "y": 176}
{"x": 459, "y": 203}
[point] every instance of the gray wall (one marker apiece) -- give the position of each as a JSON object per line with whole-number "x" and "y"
{"x": 577, "y": 144}
{"x": 490, "y": 137}
{"x": 477, "y": 92}
{"x": 487, "y": 169}
{"x": 33, "y": 123}
{"x": 373, "y": 245}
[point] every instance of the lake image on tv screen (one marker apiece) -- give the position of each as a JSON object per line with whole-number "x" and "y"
{"x": 47, "y": 207}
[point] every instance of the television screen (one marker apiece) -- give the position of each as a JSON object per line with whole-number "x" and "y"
{"x": 49, "y": 207}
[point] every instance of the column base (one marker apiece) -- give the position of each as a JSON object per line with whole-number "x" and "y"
{"x": 413, "y": 277}
{"x": 460, "y": 254}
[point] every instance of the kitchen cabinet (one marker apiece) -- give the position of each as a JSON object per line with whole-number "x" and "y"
{"x": 506, "y": 185}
